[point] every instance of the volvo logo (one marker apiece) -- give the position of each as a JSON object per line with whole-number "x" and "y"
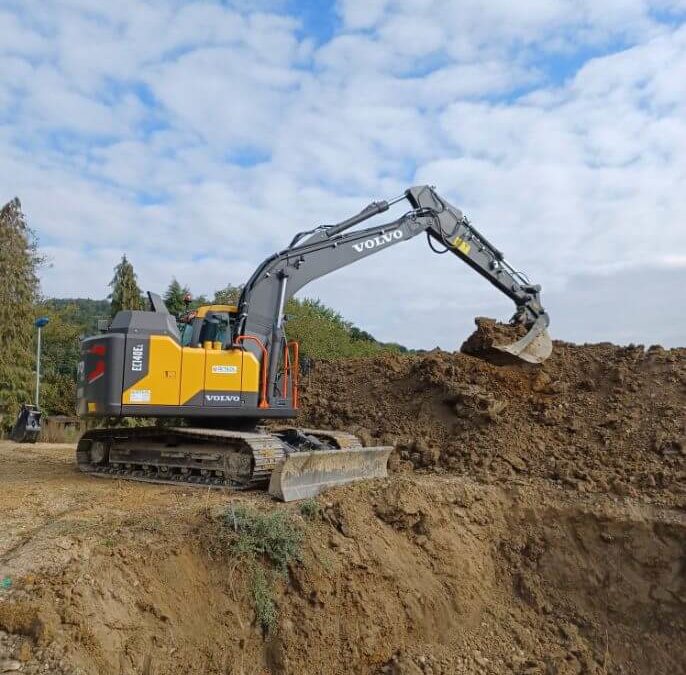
{"x": 379, "y": 240}
{"x": 223, "y": 398}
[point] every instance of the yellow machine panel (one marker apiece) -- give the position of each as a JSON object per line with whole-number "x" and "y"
{"x": 192, "y": 373}
{"x": 223, "y": 369}
{"x": 251, "y": 373}
{"x": 160, "y": 385}
{"x": 203, "y": 311}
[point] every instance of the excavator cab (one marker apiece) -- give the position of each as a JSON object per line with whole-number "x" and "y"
{"x": 208, "y": 324}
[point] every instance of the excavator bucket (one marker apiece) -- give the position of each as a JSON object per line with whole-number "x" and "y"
{"x": 535, "y": 347}
{"x": 306, "y": 474}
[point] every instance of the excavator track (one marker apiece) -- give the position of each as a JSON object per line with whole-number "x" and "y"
{"x": 295, "y": 463}
{"x": 215, "y": 458}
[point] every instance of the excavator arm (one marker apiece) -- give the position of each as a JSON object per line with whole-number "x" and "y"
{"x": 318, "y": 252}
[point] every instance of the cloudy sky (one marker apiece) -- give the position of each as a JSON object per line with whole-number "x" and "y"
{"x": 198, "y": 136}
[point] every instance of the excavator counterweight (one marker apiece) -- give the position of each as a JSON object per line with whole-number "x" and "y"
{"x": 224, "y": 369}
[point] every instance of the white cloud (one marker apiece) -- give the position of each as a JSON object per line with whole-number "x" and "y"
{"x": 198, "y": 137}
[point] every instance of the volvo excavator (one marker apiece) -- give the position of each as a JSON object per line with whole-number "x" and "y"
{"x": 232, "y": 367}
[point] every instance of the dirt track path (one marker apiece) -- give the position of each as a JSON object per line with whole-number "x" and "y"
{"x": 44, "y": 498}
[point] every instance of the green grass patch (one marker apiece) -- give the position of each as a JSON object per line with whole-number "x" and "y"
{"x": 309, "y": 509}
{"x": 269, "y": 542}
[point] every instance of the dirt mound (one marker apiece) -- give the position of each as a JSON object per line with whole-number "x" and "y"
{"x": 416, "y": 574}
{"x": 490, "y": 333}
{"x": 593, "y": 418}
{"x": 533, "y": 523}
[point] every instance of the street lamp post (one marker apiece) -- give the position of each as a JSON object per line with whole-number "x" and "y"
{"x": 41, "y": 322}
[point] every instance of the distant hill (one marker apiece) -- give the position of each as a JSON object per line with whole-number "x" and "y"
{"x": 82, "y": 311}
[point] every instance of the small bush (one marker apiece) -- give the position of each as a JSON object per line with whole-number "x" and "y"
{"x": 269, "y": 542}
{"x": 309, "y": 509}
{"x": 263, "y": 597}
{"x": 274, "y": 536}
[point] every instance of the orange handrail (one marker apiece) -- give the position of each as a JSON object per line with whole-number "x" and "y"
{"x": 286, "y": 369}
{"x": 265, "y": 362}
{"x": 296, "y": 368}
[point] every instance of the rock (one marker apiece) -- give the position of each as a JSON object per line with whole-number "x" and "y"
{"x": 9, "y": 666}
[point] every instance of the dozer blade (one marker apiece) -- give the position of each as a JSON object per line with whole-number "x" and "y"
{"x": 306, "y": 474}
{"x": 535, "y": 347}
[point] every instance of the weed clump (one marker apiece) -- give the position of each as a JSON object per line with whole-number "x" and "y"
{"x": 273, "y": 536}
{"x": 309, "y": 509}
{"x": 268, "y": 542}
{"x": 263, "y": 597}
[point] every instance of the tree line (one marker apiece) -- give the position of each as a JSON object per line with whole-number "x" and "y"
{"x": 321, "y": 331}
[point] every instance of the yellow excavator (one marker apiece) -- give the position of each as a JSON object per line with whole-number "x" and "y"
{"x": 232, "y": 367}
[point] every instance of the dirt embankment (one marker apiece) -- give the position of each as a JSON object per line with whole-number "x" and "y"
{"x": 415, "y": 574}
{"x": 534, "y": 523}
{"x": 596, "y": 418}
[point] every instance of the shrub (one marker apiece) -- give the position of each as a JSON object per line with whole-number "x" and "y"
{"x": 263, "y": 597}
{"x": 274, "y": 536}
{"x": 268, "y": 542}
{"x": 309, "y": 509}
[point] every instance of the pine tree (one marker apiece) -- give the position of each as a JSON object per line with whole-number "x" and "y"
{"x": 174, "y": 297}
{"x": 19, "y": 262}
{"x": 125, "y": 292}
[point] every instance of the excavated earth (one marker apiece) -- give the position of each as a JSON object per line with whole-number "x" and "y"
{"x": 534, "y": 522}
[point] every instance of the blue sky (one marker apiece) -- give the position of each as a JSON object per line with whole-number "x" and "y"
{"x": 198, "y": 136}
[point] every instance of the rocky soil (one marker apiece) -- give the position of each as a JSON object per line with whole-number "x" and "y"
{"x": 592, "y": 418}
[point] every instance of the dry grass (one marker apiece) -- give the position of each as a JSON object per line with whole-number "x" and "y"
{"x": 56, "y": 432}
{"x": 19, "y": 618}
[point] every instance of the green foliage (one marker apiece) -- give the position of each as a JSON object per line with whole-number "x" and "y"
{"x": 60, "y": 356}
{"x": 228, "y": 295}
{"x": 174, "y": 297}
{"x": 263, "y": 597}
{"x": 268, "y": 543}
{"x": 82, "y": 312}
{"x": 200, "y": 301}
{"x": 19, "y": 262}
{"x": 324, "y": 334}
{"x": 309, "y": 509}
{"x": 125, "y": 292}
{"x": 272, "y": 536}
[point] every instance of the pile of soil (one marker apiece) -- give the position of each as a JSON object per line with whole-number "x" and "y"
{"x": 595, "y": 418}
{"x": 489, "y": 333}
{"x": 534, "y": 523}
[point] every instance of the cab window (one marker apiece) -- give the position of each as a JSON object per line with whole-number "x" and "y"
{"x": 186, "y": 334}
